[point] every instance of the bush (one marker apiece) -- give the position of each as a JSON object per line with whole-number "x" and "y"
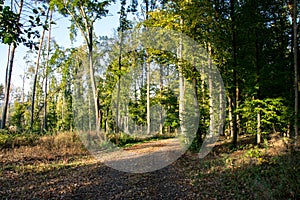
{"x": 9, "y": 140}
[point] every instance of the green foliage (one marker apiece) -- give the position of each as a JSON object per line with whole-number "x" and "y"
{"x": 274, "y": 115}
{"x": 10, "y": 28}
{"x": 254, "y": 153}
{"x": 125, "y": 140}
{"x": 18, "y": 115}
{"x": 12, "y": 140}
{"x": 83, "y": 14}
{"x": 12, "y": 31}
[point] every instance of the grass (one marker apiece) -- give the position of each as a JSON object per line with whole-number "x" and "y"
{"x": 28, "y": 153}
{"x": 125, "y": 140}
{"x": 270, "y": 171}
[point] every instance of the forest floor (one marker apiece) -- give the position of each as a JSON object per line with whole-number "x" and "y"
{"x": 58, "y": 169}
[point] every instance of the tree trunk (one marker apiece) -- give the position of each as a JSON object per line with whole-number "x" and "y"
{"x": 295, "y": 41}
{"x": 148, "y": 97}
{"x": 196, "y": 106}
{"x": 234, "y": 51}
{"x": 7, "y": 87}
{"x": 89, "y": 117}
{"x": 148, "y": 77}
{"x": 36, "y": 74}
{"x": 119, "y": 88}
{"x": 221, "y": 114}
{"x": 45, "y": 127}
{"x": 92, "y": 77}
{"x": 257, "y": 49}
{"x": 211, "y": 100}
{"x": 9, "y": 73}
{"x": 161, "y": 125}
{"x": 7, "y": 65}
{"x": 181, "y": 86}
{"x": 230, "y": 116}
{"x": 258, "y": 135}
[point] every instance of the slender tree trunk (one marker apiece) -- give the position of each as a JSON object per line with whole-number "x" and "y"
{"x": 221, "y": 114}
{"x": 121, "y": 28}
{"x": 234, "y": 56}
{"x": 257, "y": 49}
{"x": 92, "y": 77}
{"x": 148, "y": 77}
{"x": 203, "y": 96}
{"x": 7, "y": 65}
{"x": 9, "y": 73}
{"x": 45, "y": 127}
{"x": 148, "y": 97}
{"x": 238, "y": 120}
{"x": 196, "y": 106}
{"x": 230, "y": 116}
{"x": 258, "y": 136}
{"x": 126, "y": 127}
{"x": 106, "y": 121}
{"x": 7, "y": 87}
{"x": 181, "y": 86}
{"x": 161, "y": 125}
{"x": 118, "y": 92}
{"x": 211, "y": 100}
{"x": 89, "y": 117}
{"x": 295, "y": 41}
{"x": 36, "y": 74}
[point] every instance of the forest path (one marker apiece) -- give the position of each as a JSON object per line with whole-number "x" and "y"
{"x": 87, "y": 178}
{"x": 145, "y": 157}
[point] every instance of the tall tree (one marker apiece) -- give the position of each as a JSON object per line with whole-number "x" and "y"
{"x": 123, "y": 26}
{"x": 37, "y": 69}
{"x": 46, "y": 72}
{"x": 11, "y": 38}
{"x": 83, "y": 17}
{"x": 233, "y": 98}
{"x": 148, "y": 72}
{"x": 294, "y": 15}
{"x": 13, "y": 32}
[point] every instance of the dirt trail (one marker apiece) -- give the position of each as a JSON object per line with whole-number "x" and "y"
{"x": 144, "y": 157}
{"x": 94, "y": 180}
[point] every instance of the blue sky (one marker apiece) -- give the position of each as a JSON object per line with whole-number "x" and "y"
{"x": 60, "y": 32}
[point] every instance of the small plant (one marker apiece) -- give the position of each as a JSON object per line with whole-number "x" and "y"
{"x": 254, "y": 153}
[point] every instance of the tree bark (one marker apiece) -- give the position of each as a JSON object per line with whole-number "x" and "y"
{"x": 148, "y": 77}
{"x": 148, "y": 97}
{"x": 181, "y": 86}
{"x": 36, "y": 74}
{"x": 211, "y": 100}
{"x": 161, "y": 125}
{"x": 9, "y": 73}
{"x": 45, "y": 127}
{"x": 7, "y": 87}
{"x": 295, "y": 41}
{"x": 234, "y": 88}
{"x": 196, "y": 106}
{"x": 92, "y": 77}
{"x": 258, "y": 135}
{"x": 257, "y": 48}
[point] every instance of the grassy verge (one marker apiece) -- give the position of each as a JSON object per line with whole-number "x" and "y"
{"x": 125, "y": 140}
{"x": 269, "y": 171}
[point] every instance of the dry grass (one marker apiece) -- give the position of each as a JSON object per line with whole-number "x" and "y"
{"x": 46, "y": 152}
